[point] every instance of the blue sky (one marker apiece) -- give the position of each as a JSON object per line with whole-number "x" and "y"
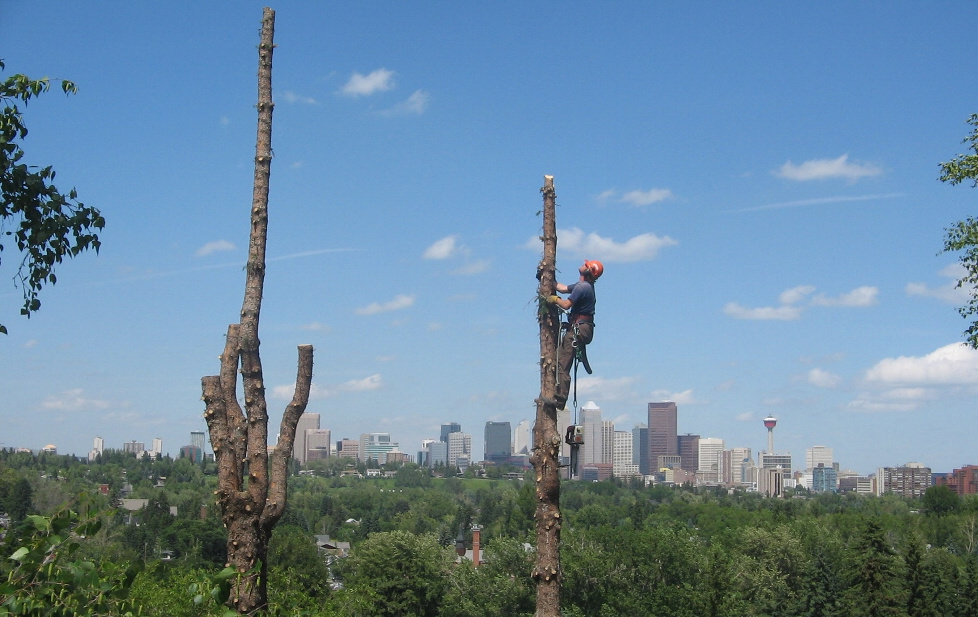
{"x": 759, "y": 179}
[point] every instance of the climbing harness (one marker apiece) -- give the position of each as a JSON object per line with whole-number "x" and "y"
{"x": 575, "y": 432}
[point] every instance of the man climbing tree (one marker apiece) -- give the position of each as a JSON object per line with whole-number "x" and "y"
{"x": 47, "y": 225}
{"x": 963, "y": 236}
{"x": 579, "y": 327}
{"x": 251, "y": 497}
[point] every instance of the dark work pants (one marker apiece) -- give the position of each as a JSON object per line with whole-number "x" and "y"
{"x": 565, "y": 357}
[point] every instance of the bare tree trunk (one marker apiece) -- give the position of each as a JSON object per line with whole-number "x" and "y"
{"x": 251, "y": 500}
{"x": 546, "y": 440}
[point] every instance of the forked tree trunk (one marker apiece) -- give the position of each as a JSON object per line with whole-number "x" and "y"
{"x": 251, "y": 488}
{"x": 546, "y": 440}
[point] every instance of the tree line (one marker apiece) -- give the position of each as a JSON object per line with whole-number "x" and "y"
{"x": 626, "y": 549}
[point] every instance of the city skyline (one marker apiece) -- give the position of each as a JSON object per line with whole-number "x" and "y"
{"x": 760, "y": 182}
{"x": 811, "y": 455}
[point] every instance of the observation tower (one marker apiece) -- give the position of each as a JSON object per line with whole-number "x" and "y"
{"x": 770, "y": 422}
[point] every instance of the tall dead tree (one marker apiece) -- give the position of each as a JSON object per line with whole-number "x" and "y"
{"x": 546, "y": 440}
{"x": 251, "y": 485}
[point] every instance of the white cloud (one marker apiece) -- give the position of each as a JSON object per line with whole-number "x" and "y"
{"x": 415, "y": 104}
{"x": 819, "y": 201}
{"x": 373, "y": 382}
{"x": 820, "y": 169}
{"x": 790, "y": 309}
{"x": 472, "y": 268}
{"x": 764, "y": 313}
{"x": 73, "y": 400}
{"x": 823, "y": 379}
{"x": 605, "y": 389}
{"x": 644, "y": 198}
{"x": 859, "y": 297}
{"x": 399, "y": 302}
{"x": 315, "y": 327}
{"x": 292, "y": 97}
{"x": 442, "y": 249}
{"x": 950, "y": 292}
{"x": 954, "y": 364}
{"x": 214, "y": 247}
{"x": 746, "y": 416}
{"x": 680, "y": 398}
{"x": 795, "y": 294}
{"x": 643, "y": 247}
{"x": 30, "y": 344}
{"x": 379, "y": 80}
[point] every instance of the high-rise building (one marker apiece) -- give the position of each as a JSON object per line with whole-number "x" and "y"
{"x": 640, "y": 448}
{"x": 817, "y": 455}
{"x": 767, "y": 460}
{"x": 593, "y": 449}
{"x": 157, "y": 448}
{"x": 963, "y": 481}
{"x": 710, "y": 460}
{"x": 689, "y": 452}
{"x": 497, "y": 444}
{"x": 663, "y": 435}
{"x": 736, "y": 463}
{"x": 459, "y": 449}
{"x": 348, "y": 448}
{"x": 522, "y": 439}
{"x": 447, "y": 429}
{"x": 306, "y": 422}
{"x": 197, "y": 440}
{"x": 376, "y": 446}
{"x": 911, "y": 480}
{"x": 824, "y": 479}
{"x": 317, "y": 444}
{"x": 97, "y": 449}
{"x": 437, "y": 454}
{"x": 623, "y": 461}
{"x": 134, "y": 447}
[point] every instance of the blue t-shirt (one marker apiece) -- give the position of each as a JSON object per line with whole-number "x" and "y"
{"x": 582, "y": 298}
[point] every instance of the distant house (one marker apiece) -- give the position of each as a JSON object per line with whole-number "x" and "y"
{"x": 133, "y": 506}
{"x": 332, "y": 547}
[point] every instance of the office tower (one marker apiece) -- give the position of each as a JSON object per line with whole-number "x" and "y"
{"x": 448, "y": 429}
{"x": 459, "y": 448}
{"x": 497, "y": 444}
{"x": 963, "y": 481}
{"x": 818, "y": 455}
{"x": 522, "y": 439}
{"x": 824, "y": 479}
{"x": 607, "y": 442}
{"x": 197, "y": 440}
{"x": 640, "y": 448}
{"x": 306, "y": 421}
{"x": 689, "y": 452}
{"x": 736, "y": 463}
{"x": 710, "y": 460}
{"x": 663, "y": 436}
{"x": 157, "y": 448}
{"x": 623, "y": 460}
{"x": 376, "y": 446}
{"x": 317, "y": 444}
{"x": 768, "y": 460}
{"x": 97, "y": 449}
{"x": 348, "y": 448}
{"x": 593, "y": 448}
{"x": 437, "y": 454}
{"x": 134, "y": 447}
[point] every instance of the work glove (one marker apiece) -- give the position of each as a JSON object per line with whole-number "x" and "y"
{"x": 553, "y": 299}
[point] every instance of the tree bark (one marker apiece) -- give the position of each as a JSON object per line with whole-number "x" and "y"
{"x": 546, "y": 440}
{"x": 252, "y": 489}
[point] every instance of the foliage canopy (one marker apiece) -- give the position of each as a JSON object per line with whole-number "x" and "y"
{"x": 47, "y": 225}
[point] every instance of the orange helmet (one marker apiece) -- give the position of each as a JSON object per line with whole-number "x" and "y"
{"x": 595, "y": 268}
